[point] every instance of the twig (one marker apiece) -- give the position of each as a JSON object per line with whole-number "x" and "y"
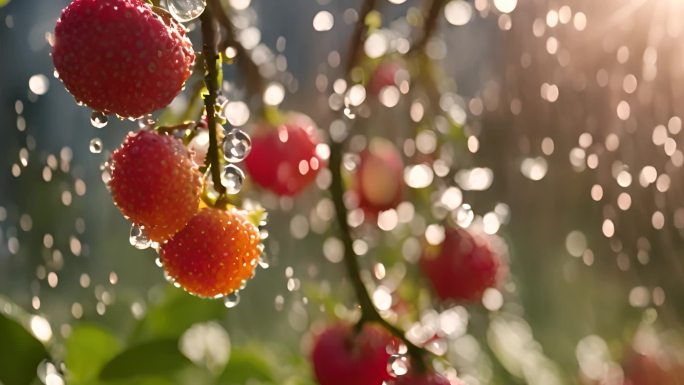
{"x": 430, "y": 25}
{"x": 368, "y": 311}
{"x": 250, "y": 69}
{"x": 211, "y": 58}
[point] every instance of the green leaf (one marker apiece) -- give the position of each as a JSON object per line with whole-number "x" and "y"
{"x": 155, "y": 358}
{"x": 88, "y": 349}
{"x": 246, "y": 364}
{"x": 3, "y": 3}
{"x": 177, "y": 313}
{"x": 20, "y": 353}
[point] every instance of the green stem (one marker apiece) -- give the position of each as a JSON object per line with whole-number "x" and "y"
{"x": 211, "y": 59}
{"x": 368, "y": 311}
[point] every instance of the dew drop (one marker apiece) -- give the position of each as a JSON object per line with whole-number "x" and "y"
{"x": 464, "y": 215}
{"x": 397, "y": 365}
{"x": 96, "y": 145}
{"x": 236, "y": 146}
{"x": 186, "y": 10}
{"x": 232, "y": 299}
{"x": 146, "y": 122}
{"x": 232, "y": 179}
{"x": 139, "y": 238}
{"x": 98, "y": 119}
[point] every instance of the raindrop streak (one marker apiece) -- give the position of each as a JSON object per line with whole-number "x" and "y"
{"x": 232, "y": 179}
{"x": 186, "y": 10}
{"x": 139, "y": 238}
{"x": 236, "y": 146}
{"x": 232, "y": 299}
{"x": 98, "y": 119}
{"x": 96, "y": 145}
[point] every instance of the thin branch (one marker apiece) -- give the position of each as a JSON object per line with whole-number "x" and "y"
{"x": 210, "y": 35}
{"x": 368, "y": 311}
{"x": 249, "y": 68}
{"x": 429, "y": 25}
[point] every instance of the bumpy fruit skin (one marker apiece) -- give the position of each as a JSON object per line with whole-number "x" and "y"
{"x": 284, "y": 159}
{"x": 379, "y": 180}
{"x": 155, "y": 183}
{"x": 118, "y": 56}
{"x": 214, "y": 254}
{"x": 424, "y": 379}
{"x": 462, "y": 267}
{"x": 341, "y": 357}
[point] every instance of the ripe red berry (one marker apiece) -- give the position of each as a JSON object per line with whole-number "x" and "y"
{"x": 379, "y": 180}
{"x": 641, "y": 369}
{"x": 342, "y": 357}
{"x": 284, "y": 159}
{"x": 154, "y": 183}
{"x": 385, "y": 75}
{"x": 119, "y": 56}
{"x": 424, "y": 379}
{"x": 214, "y": 255}
{"x": 463, "y": 266}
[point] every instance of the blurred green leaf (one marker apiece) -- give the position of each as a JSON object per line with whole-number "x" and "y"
{"x": 20, "y": 353}
{"x": 155, "y": 358}
{"x": 176, "y": 314}
{"x": 88, "y": 349}
{"x": 247, "y": 364}
{"x": 4, "y": 2}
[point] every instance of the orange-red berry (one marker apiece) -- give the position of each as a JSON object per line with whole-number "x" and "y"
{"x": 214, "y": 255}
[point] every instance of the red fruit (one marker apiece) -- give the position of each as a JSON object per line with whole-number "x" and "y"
{"x": 424, "y": 379}
{"x": 385, "y": 75}
{"x": 642, "y": 369}
{"x": 118, "y": 56}
{"x": 342, "y": 357}
{"x": 284, "y": 159}
{"x": 214, "y": 254}
{"x": 462, "y": 267}
{"x": 380, "y": 177}
{"x": 154, "y": 183}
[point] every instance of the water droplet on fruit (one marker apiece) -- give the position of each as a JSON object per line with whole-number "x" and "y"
{"x": 96, "y": 145}
{"x": 232, "y": 299}
{"x": 232, "y": 179}
{"x": 98, "y": 119}
{"x": 139, "y": 238}
{"x": 186, "y": 10}
{"x": 158, "y": 262}
{"x": 397, "y": 365}
{"x": 146, "y": 122}
{"x": 236, "y": 146}
{"x": 263, "y": 233}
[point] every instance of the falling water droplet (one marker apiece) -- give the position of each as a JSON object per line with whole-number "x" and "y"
{"x": 139, "y": 237}
{"x": 264, "y": 261}
{"x": 464, "y": 215}
{"x": 158, "y": 262}
{"x": 232, "y": 179}
{"x": 397, "y": 365}
{"x": 236, "y": 146}
{"x": 98, "y": 119}
{"x": 349, "y": 113}
{"x": 263, "y": 233}
{"x": 96, "y": 145}
{"x": 232, "y": 299}
{"x": 186, "y": 10}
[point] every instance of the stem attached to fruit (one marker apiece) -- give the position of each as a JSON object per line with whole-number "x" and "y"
{"x": 368, "y": 311}
{"x": 211, "y": 59}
